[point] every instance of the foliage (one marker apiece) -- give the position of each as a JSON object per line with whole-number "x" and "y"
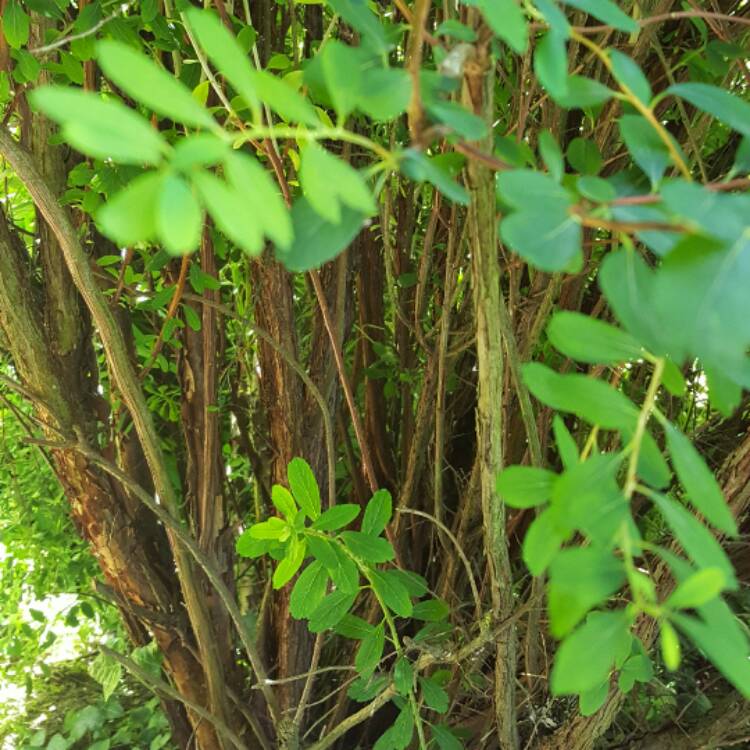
{"x": 495, "y": 252}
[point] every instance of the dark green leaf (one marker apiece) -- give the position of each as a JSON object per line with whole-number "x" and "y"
{"x": 403, "y": 676}
{"x": 590, "y": 701}
{"x": 370, "y": 651}
{"x": 445, "y": 738}
{"x": 353, "y": 627}
{"x": 431, "y": 610}
{"x": 648, "y": 150}
{"x": 433, "y": 695}
{"x": 330, "y": 611}
{"x": 542, "y": 542}
{"x": 392, "y": 591}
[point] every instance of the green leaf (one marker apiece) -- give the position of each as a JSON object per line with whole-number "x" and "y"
{"x": 357, "y": 13}
{"x": 551, "y": 64}
{"x": 607, "y": 12}
{"x": 337, "y": 517}
{"x": 525, "y": 188}
{"x": 590, "y": 701}
{"x": 283, "y": 502}
{"x": 458, "y": 119}
{"x": 107, "y": 672}
{"x": 330, "y": 611}
{"x": 697, "y": 541}
{"x": 445, "y": 738}
{"x": 699, "y": 482}
{"x": 628, "y": 74}
{"x": 724, "y": 106}
{"x": 329, "y": 182}
{"x": 370, "y": 651}
{"x": 199, "y": 150}
{"x": 417, "y": 166}
{"x": 551, "y": 154}
{"x": 596, "y": 189}
{"x": 547, "y": 236}
{"x": 341, "y": 71}
{"x": 102, "y": 128}
{"x": 392, "y": 591}
{"x": 353, "y": 627}
{"x": 179, "y": 218}
{"x": 273, "y": 528}
{"x": 341, "y": 568}
{"x": 554, "y": 16}
{"x": 249, "y": 546}
{"x": 261, "y": 196}
{"x": 414, "y": 583}
{"x": 652, "y": 466}
{"x": 284, "y": 100}
{"x": 15, "y": 24}
{"x": 586, "y": 657}
{"x": 377, "y": 513}
{"x": 130, "y": 216}
{"x": 542, "y": 542}
{"x": 288, "y": 567}
{"x": 637, "y": 668}
{"x": 304, "y": 487}
{"x": 151, "y": 85}
{"x": 507, "y": 21}
{"x": 648, "y": 150}
{"x": 733, "y": 664}
{"x": 701, "y": 587}
{"x": 399, "y": 736}
{"x": 433, "y": 695}
{"x": 586, "y": 339}
{"x": 670, "y": 646}
{"x": 525, "y": 486}
{"x": 224, "y": 50}
{"x": 590, "y": 399}
{"x": 587, "y": 497}
{"x": 371, "y": 549}
{"x": 567, "y": 448}
{"x": 385, "y": 93}
{"x": 431, "y": 610}
{"x": 403, "y": 676}
{"x": 584, "y": 156}
{"x": 364, "y": 690}
{"x": 584, "y": 93}
{"x": 228, "y": 209}
{"x": 316, "y": 241}
{"x": 579, "y": 579}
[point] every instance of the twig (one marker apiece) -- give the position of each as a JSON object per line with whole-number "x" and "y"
{"x": 158, "y": 686}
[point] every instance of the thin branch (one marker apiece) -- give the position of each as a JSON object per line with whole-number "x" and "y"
{"x": 160, "y": 687}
